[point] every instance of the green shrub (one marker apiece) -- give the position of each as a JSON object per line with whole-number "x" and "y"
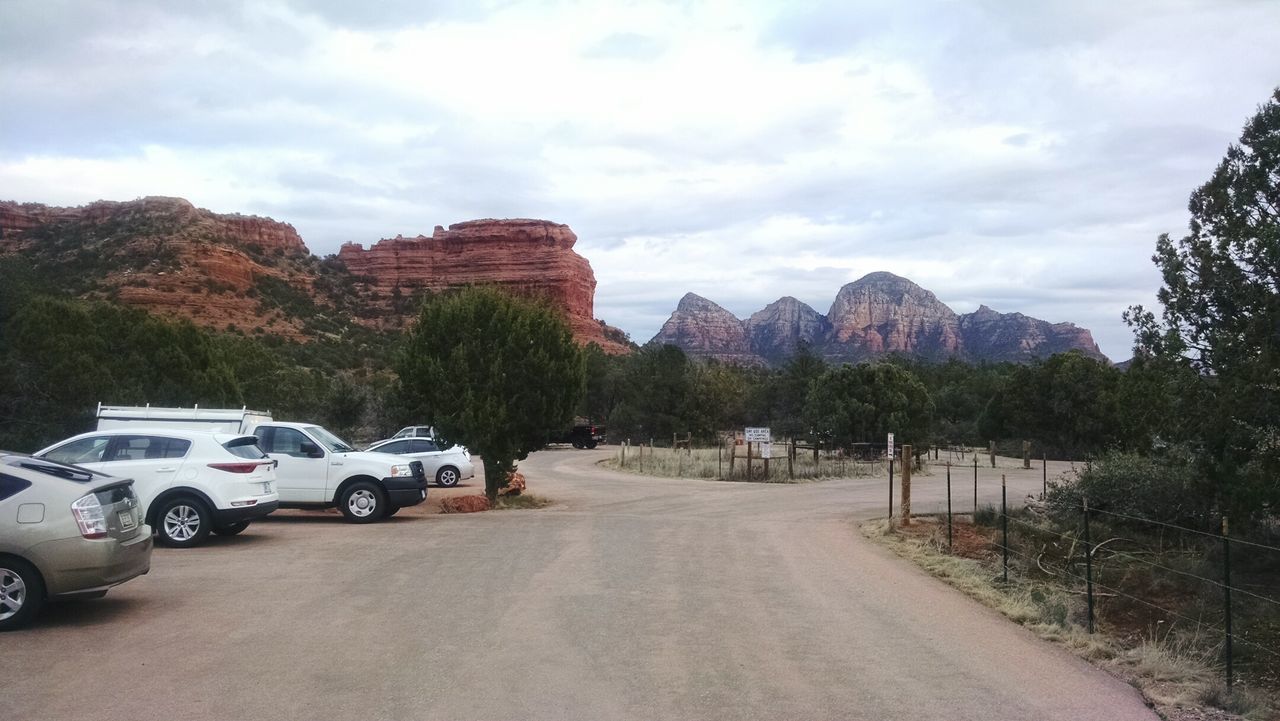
{"x": 986, "y": 516}
{"x": 1166, "y": 488}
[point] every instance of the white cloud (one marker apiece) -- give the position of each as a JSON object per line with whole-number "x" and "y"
{"x": 1021, "y": 155}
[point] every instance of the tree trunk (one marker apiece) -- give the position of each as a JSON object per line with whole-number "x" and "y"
{"x": 495, "y": 477}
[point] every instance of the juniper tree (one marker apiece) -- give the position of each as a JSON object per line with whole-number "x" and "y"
{"x": 492, "y": 371}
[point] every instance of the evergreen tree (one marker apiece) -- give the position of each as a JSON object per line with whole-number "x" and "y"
{"x": 1220, "y": 315}
{"x": 863, "y": 403}
{"x": 493, "y": 372}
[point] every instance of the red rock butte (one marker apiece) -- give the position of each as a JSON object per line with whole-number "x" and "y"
{"x": 533, "y": 258}
{"x": 172, "y": 258}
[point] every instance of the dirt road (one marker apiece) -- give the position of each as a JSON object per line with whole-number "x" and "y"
{"x": 632, "y": 597}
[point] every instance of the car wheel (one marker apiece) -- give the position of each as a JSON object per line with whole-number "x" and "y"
{"x": 391, "y": 511}
{"x": 183, "y": 522}
{"x": 232, "y": 529}
{"x": 363, "y": 502}
{"x": 577, "y": 444}
{"x": 21, "y": 593}
{"x": 591, "y": 444}
{"x": 447, "y": 476}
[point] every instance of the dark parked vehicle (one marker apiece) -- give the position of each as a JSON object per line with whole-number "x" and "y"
{"x": 583, "y": 435}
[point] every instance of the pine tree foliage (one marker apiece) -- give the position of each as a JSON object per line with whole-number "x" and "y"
{"x": 1220, "y": 315}
{"x": 493, "y": 372}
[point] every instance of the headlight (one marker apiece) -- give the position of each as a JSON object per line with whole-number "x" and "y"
{"x": 399, "y": 471}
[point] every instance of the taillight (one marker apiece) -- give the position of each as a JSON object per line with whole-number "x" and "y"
{"x": 90, "y": 517}
{"x": 239, "y": 467}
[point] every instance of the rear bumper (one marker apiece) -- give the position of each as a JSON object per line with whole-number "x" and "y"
{"x": 228, "y": 516}
{"x": 404, "y": 491}
{"x": 75, "y": 566}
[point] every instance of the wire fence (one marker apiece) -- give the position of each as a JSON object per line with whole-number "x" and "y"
{"x": 1106, "y": 568}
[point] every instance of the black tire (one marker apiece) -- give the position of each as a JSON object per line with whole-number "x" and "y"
{"x": 577, "y": 444}
{"x": 591, "y": 444}
{"x": 363, "y": 502}
{"x": 21, "y": 593}
{"x": 448, "y": 476}
{"x": 183, "y": 522}
{"x": 231, "y": 529}
{"x": 391, "y": 511}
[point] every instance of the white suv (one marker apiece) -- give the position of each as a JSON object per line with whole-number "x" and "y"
{"x": 188, "y": 482}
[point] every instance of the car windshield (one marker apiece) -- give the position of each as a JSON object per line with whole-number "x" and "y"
{"x": 330, "y": 441}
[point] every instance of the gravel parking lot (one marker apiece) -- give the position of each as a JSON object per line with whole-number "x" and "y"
{"x": 630, "y": 598}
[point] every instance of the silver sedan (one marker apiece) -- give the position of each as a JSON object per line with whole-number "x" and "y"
{"x": 448, "y": 466}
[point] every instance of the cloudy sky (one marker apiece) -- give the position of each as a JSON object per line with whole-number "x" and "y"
{"x": 1019, "y": 154}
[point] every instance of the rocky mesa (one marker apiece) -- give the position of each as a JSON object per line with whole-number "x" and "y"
{"x": 251, "y": 273}
{"x": 878, "y": 314}
{"x": 528, "y": 257}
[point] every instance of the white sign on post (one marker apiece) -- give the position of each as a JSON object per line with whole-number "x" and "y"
{"x": 766, "y": 450}
{"x": 758, "y": 435}
{"x": 891, "y": 445}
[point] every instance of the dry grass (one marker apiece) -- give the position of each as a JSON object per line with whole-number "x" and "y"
{"x": 705, "y": 463}
{"x": 524, "y": 500}
{"x": 1171, "y": 669}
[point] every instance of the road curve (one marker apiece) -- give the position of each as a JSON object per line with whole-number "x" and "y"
{"x": 630, "y": 598}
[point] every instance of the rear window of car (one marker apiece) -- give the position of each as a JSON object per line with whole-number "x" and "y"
{"x": 393, "y": 447}
{"x": 12, "y": 485}
{"x": 59, "y": 470}
{"x": 246, "y": 447}
{"x": 422, "y": 446}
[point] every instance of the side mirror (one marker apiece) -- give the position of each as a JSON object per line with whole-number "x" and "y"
{"x": 311, "y": 449}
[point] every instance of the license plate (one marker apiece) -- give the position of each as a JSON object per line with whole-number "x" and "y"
{"x": 127, "y": 521}
{"x": 266, "y": 488}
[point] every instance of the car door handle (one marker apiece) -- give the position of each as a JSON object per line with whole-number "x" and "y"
{"x": 167, "y": 469}
{"x": 336, "y": 463}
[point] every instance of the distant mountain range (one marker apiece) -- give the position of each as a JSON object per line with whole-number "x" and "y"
{"x": 878, "y": 314}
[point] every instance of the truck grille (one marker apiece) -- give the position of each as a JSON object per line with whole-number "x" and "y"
{"x": 418, "y": 474}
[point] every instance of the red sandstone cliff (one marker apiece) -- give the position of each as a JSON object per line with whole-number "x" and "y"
{"x": 165, "y": 255}
{"x": 247, "y": 272}
{"x": 529, "y": 257}
{"x": 705, "y": 329}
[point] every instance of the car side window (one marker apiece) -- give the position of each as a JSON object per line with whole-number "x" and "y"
{"x": 395, "y": 447}
{"x": 167, "y": 447}
{"x": 85, "y": 450}
{"x": 422, "y": 446}
{"x": 287, "y": 441}
{"x": 148, "y": 448}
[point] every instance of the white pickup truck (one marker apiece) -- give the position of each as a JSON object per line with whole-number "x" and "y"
{"x": 316, "y": 468}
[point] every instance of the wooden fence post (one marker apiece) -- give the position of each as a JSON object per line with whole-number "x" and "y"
{"x": 906, "y": 485}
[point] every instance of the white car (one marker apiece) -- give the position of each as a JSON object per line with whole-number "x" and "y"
{"x": 447, "y": 466}
{"x": 188, "y": 482}
{"x": 319, "y": 470}
{"x": 414, "y": 432}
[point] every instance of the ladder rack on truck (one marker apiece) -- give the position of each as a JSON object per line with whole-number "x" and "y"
{"x": 225, "y": 420}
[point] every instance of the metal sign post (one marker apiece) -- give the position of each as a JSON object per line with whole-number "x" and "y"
{"x": 889, "y": 446}
{"x": 763, "y": 438}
